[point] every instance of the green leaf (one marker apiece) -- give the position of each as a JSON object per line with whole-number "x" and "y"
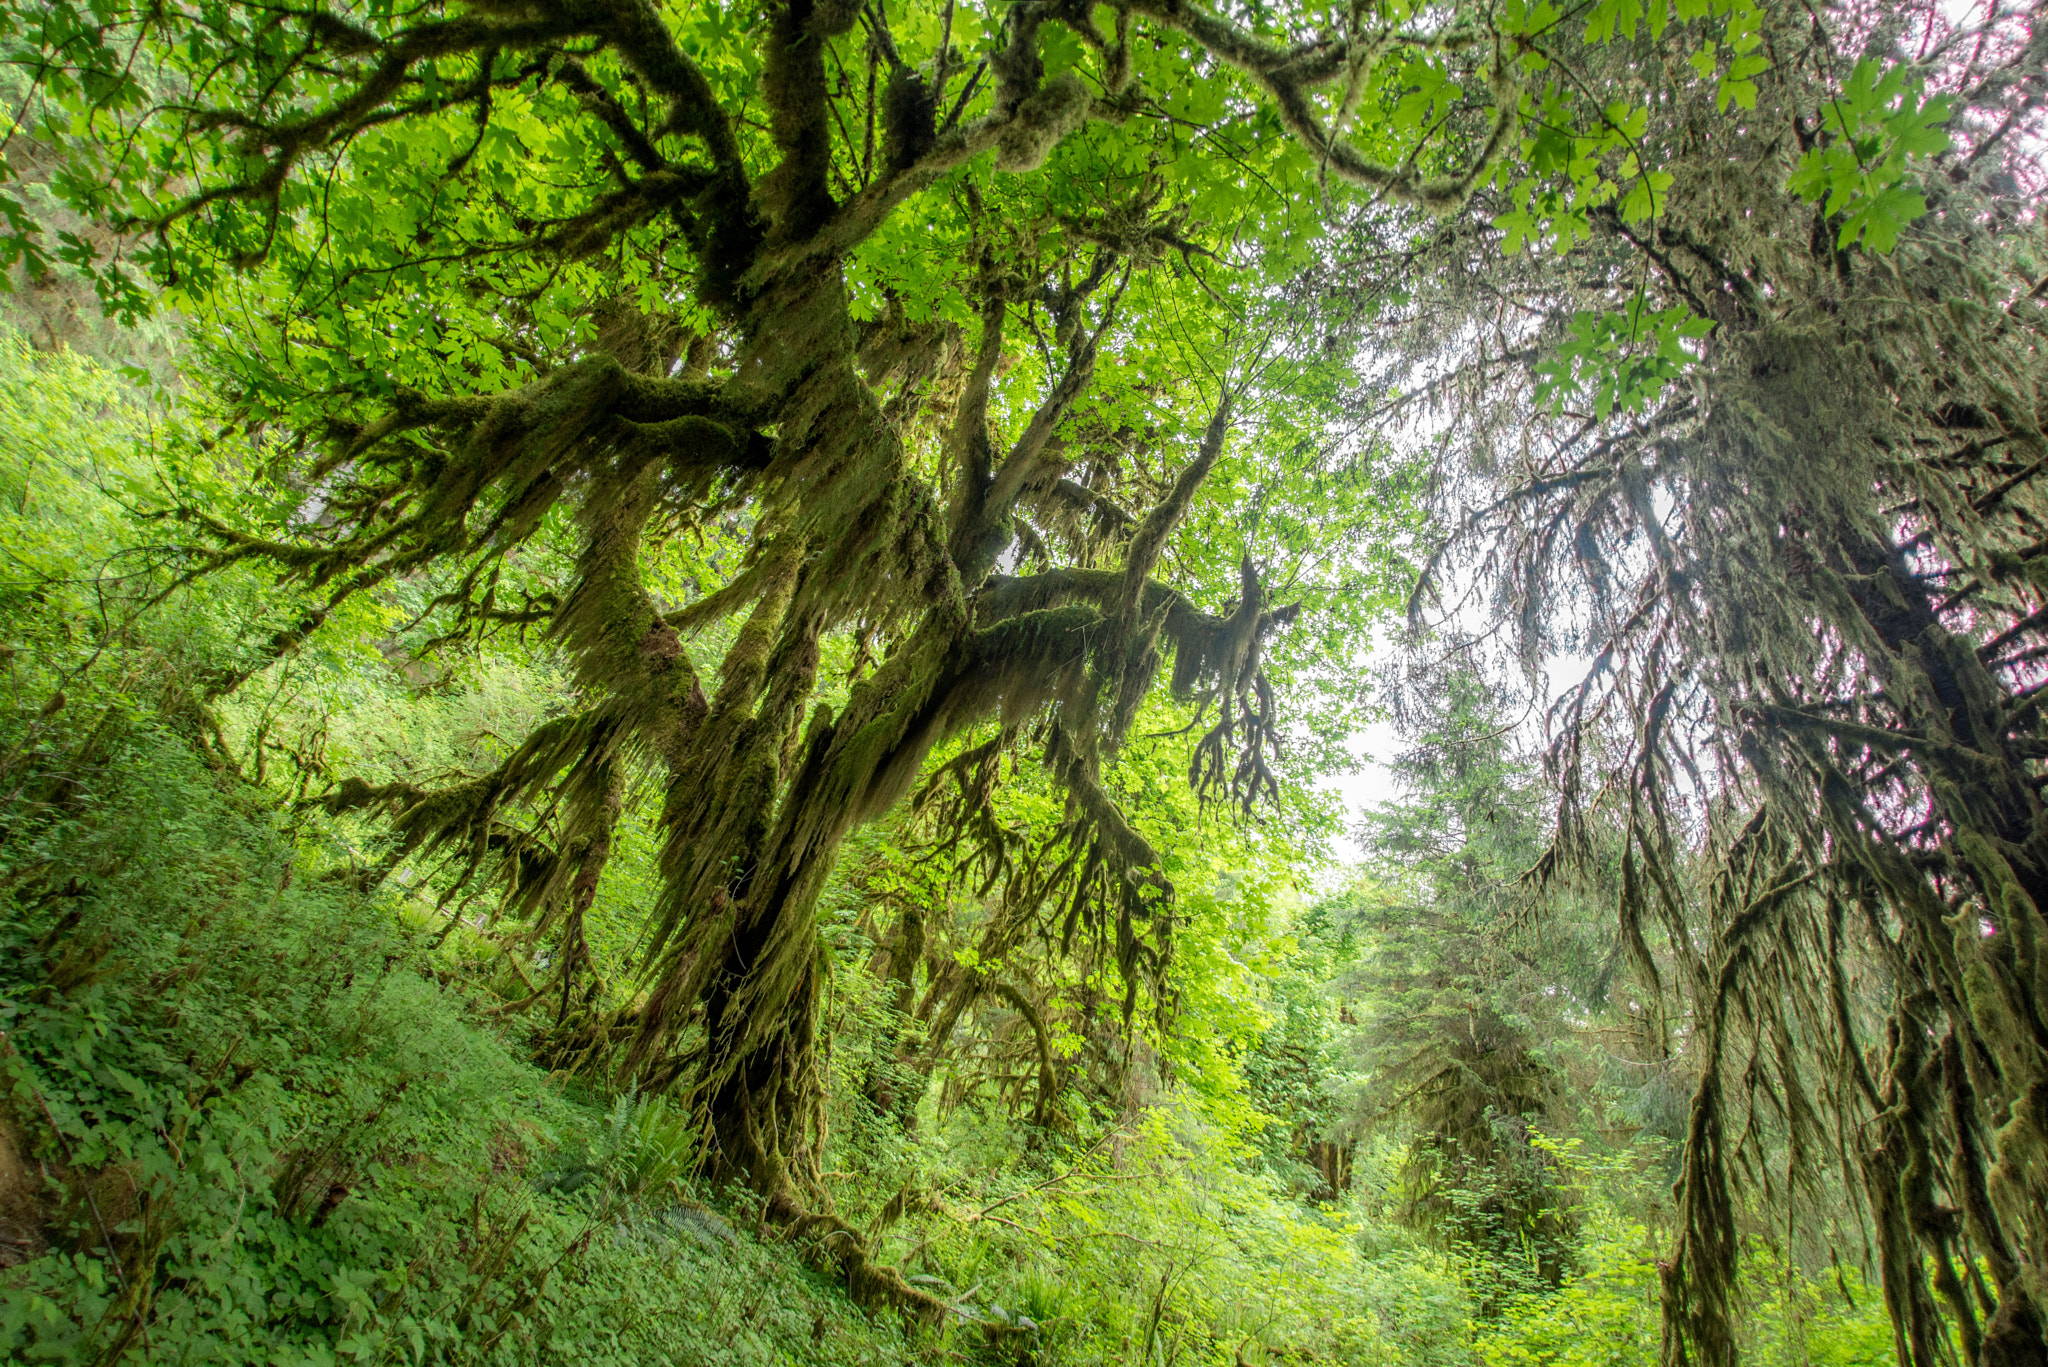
{"x": 1875, "y": 128}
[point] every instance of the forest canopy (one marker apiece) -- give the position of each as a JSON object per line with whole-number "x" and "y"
{"x": 815, "y": 566}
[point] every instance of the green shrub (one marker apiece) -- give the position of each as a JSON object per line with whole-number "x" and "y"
{"x": 1606, "y": 1313}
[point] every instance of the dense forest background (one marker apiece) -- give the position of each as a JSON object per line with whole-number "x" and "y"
{"x": 321, "y": 1118}
{"x": 673, "y": 677}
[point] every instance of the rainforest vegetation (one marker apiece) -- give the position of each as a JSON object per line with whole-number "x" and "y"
{"x": 685, "y": 681}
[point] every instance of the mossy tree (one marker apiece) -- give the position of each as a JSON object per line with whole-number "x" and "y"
{"x": 1772, "y": 464}
{"x": 893, "y": 307}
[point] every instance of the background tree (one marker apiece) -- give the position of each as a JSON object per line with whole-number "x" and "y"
{"x": 1462, "y": 1016}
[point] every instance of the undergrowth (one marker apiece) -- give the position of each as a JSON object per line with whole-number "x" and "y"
{"x": 271, "y": 1135}
{"x": 266, "y": 1130}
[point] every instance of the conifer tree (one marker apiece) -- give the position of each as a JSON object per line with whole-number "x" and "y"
{"x": 1772, "y": 461}
{"x": 1451, "y": 1005}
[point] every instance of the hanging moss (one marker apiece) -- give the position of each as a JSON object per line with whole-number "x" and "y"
{"x": 1800, "y": 574}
